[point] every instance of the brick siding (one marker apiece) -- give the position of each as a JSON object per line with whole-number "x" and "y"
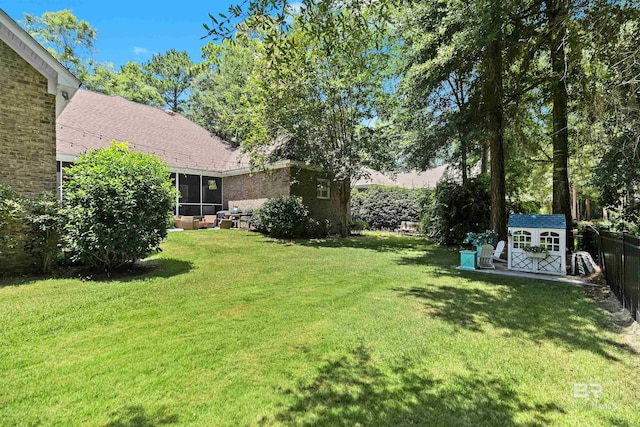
{"x": 256, "y": 185}
{"x": 27, "y": 126}
{"x": 305, "y": 184}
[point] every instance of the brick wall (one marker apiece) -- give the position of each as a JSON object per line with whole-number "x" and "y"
{"x": 257, "y": 185}
{"x": 27, "y": 126}
{"x": 304, "y": 184}
{"x": 283, "y": 182}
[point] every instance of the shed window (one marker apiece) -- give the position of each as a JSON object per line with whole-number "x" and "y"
{"x": 323, "y": 187}
{"x": 521, "y": 239}
{"x": 550, "y": 241}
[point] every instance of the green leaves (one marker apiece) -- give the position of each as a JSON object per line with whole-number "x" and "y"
{"x": 116, "y": 205}
{"x": 68, "y": 39}
{"x": 282, "y": 217}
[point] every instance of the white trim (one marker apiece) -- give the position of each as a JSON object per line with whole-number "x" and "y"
{"x": 281, "y": 164}
{"x": 326, "y": 184}
{"x": 535, "y": 241}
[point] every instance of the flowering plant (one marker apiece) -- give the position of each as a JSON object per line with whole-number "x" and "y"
{"x": 489, "y": 237}
{"x": 535, "y": 249}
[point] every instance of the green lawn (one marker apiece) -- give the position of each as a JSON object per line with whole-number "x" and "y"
{"x": 234, "y": 328}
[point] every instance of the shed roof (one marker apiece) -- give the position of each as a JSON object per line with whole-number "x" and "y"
{"x": 537, "y": 221}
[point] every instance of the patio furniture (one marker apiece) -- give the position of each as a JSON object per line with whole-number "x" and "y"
{"x": 498, "y": 251}
{"x": 486, "y": 257}
{"x": 467, "y": 260}
{"x": 225, "y": 224}
{"x": 187, "y": 223}
{"x": 211, "y": 220}
{"x": 244, "y": 219}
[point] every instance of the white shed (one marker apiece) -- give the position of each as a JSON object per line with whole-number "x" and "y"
{"x": 544, "y": 233}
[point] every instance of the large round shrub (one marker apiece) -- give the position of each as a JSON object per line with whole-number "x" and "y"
{"x": 116, "y": 205}
{"x": 282, "y": 217}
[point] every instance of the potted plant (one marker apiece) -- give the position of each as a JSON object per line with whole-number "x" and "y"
{"x": 537, "y": 252}
{"x": 489, "y": 237}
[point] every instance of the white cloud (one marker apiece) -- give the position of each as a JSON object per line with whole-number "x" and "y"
{"x": 140, "y": 50}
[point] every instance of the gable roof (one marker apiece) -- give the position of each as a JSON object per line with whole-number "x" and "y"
{"x": 537, "y": 221}
{"x": 93, "y": 119}
{"x": 61, "y": 82}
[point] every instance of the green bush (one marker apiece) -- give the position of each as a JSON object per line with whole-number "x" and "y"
{"x": 116, "y": 204}
{"x": 282, "y": 217}
{"x": 44, "y": 232}
{"x": 13, "y": 231}
{"x": 383, "y": 208}
{"x": 454, "y": 210}
{"x": 29, "y": 232}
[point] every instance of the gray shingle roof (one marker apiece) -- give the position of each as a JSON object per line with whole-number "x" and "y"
{"x": 413, "y": 179}
{"x": 537, "y": 221}
{"x": 92, "y": 120}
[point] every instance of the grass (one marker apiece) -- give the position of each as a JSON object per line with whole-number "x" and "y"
{"x": 233, "y": 328}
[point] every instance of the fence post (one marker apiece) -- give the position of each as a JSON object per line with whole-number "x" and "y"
{"x": 624, "y": 264}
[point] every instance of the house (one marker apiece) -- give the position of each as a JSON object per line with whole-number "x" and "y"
{"x": 411, "y": 180}
{"x": 210, "y": 174}
{"x": 36, "y": 88}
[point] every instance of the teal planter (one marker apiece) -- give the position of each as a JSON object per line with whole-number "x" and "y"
{"x": 467, "y": 260}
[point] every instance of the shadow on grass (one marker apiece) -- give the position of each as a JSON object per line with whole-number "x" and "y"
{"x": 351, "y": 390}
{"x": 378, "y": 243}
{"x": 412, "y": 250}
{"x": 539, "y": 313}
{"x": 136, "y": 416}
{"x": 145, "y": 269}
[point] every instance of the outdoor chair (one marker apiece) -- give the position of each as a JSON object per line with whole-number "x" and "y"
{"x": 486, "y": 257}
{"x": 211, "y": 220}
{"x": 188, "y": 223}
{"x": 498, "y": 252}
{"x": 225, "y": 224}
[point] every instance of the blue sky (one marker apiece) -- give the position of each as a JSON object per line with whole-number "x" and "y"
{"x": 134, "y": 30}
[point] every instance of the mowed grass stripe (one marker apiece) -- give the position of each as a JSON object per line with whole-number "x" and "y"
{"x": 233, "y": 328}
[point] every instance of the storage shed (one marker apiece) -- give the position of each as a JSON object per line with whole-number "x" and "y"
{"x": 537, "y": 243}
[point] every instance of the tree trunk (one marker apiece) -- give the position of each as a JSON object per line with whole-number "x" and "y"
{"x": 463, "y": 160}
{"x": 484, "y": 160}
{"x": 345, "y": 206}
{"x": 558, "y": 16}
{"x": 493, "y": 103}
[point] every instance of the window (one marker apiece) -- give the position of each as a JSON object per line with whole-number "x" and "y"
{"x": 550, "y": 241}
{"x": 521, "y": 239}
{"x": 324, "y": 187}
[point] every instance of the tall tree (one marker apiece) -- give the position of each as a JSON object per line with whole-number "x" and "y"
{"x": 68, "y": 39}
{"x": 320, "y": 80}
{"x": 171, "y": 74}
{"x": 130, "y": 82}
{"x": 460, "y": 46}
{"x": 558, "y": 16}
{"x": 220, "y": 96}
